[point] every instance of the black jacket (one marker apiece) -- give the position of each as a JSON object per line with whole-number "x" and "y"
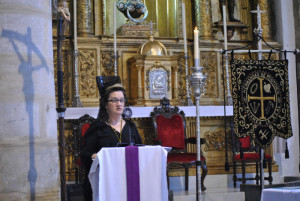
{"x": 101, "y": 135}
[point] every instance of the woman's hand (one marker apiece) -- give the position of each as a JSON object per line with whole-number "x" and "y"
{"x": 94, "y": 156}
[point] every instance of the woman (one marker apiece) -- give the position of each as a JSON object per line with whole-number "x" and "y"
{"x": 108, "y": 130}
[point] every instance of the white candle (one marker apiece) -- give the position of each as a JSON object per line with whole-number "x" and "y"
{"x": 196, "y": 47}
{"x": 115, "y": 29}
{"x": 75, "y": 24}
{"x": 184, "y": 29}
{"x": 224, "y": 27}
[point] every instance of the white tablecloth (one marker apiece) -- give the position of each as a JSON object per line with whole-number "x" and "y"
{"x": 108, "y": 174}
{"x": 281, "y": 194}
{"x": 140, "y": 112}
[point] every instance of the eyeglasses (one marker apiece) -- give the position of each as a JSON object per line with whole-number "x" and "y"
{"x": 115, "y": 100}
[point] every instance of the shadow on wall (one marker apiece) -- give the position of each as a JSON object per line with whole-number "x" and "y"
{"x": 26, "y": 69}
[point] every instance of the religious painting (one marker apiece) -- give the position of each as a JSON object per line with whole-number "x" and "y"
{"x": 261, "y": 105}
{"x": 158, "y": 81}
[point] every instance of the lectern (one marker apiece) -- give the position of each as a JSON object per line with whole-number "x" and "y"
{"x": 141, "y": 176}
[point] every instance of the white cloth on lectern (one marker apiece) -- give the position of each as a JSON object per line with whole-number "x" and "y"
{"x": 153, "y": 176}
{"x": 108, "y": 180}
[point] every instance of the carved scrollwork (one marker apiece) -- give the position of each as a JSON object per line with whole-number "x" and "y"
{"x": 181, "y": 77}
{"x": 209, "y": 61}
{"x": 69, "y": 159}
{"x": 215, "y": 141}
{"x": 87, "y": 73}
{"x": 107, "y": 62}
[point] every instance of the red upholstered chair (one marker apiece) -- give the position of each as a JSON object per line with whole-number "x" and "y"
{"x": 245, "y": 152}
{"x": 170, "y": 131}
{"x": 80, "y": 126}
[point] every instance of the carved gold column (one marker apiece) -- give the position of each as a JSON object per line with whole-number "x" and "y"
{"x": 98, "y": 12}
{"x": 85, "y": 17}
{"x": 204, "y": 21}
{"x": 140, "y": 88}
{"x": 175, "y": 88}
{"x": 266, "y": 19}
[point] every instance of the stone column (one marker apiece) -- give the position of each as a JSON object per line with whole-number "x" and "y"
{"x": 266, "y": 19}
{"x": 29, "y": 164}
{"x": 285, "y": 30}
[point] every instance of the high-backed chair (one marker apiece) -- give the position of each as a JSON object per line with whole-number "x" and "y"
{"x": 170, "y": 131}
{"x": 80, "y": 126}
{"x": 245, "y": 152}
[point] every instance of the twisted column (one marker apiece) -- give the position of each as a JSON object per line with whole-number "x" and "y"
{"x": 266, "y": 19}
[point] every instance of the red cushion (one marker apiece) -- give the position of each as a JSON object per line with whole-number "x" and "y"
{"x": 171, "y": 131}
{"x": 78, "y": 162}
{"x": 250, "y": 156}
{"x": 183, "y": 158}
{"x": 84, "y": 128}
{"x": 245, "y": 142}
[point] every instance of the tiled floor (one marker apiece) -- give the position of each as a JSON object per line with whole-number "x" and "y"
{"x": 212, "y": 194}
{"x": 219, "y": 188}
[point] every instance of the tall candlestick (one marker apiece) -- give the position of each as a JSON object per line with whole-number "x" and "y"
{"x": 75, "y": 24}
{"x": 224, "y": 26}
{"x": 196, "y": 47}
{"x": 229, "y": 97}
{"x": 115, "y": 29}
{"x": 189, "y": 101}
{"x": 184, "y": 28}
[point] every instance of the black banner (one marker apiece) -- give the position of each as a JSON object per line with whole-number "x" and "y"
{"x": 261, "y": 104}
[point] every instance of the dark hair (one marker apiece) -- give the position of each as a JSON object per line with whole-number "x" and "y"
{"x": 103, "y": 115}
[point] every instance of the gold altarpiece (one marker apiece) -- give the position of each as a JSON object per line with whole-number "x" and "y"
{"x": 151, "y": 70}
{"x": 95, "y": 46}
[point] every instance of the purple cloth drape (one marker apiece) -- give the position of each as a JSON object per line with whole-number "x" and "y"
{"x": 132, "y": 173}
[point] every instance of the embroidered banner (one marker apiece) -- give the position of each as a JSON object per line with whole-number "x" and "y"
{"x": 261, "y": 104}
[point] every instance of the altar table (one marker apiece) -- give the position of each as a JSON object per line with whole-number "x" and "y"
{"x": 108, "y": 174}
{"x": 142, "y": 112}
{"x": 281, "y": 194}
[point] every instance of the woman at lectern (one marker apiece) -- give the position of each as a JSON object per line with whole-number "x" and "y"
{"x": 109, "y": 130}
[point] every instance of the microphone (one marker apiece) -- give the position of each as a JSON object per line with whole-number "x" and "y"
{"x": 127, "y": 113}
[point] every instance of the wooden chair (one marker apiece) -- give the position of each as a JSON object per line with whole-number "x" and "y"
{"x": 245, "y": 152}
{"x": 80, "y": 126}
{"x": 170, "y": 131}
